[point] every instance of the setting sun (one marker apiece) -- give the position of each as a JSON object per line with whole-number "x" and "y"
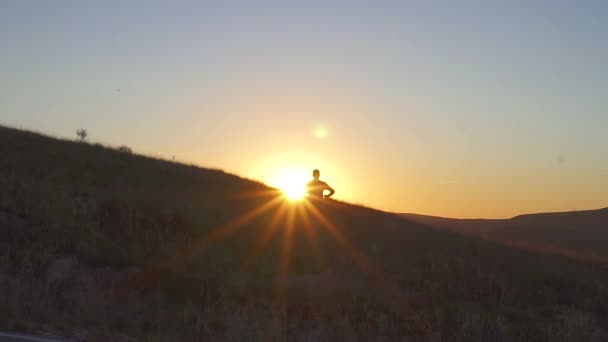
{"x": 292, "y": 184}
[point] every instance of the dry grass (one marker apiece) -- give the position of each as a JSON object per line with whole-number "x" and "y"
{"x": 149, "y": 262}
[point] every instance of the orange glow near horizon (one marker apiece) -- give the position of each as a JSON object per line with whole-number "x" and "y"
{"x": 409, "y": 127}
{"x": 292, "y": 183}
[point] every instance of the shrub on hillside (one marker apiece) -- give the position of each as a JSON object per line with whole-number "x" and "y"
{"x": 125, "y": 149}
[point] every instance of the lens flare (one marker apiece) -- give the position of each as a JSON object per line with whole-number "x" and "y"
{"x": 321, "y": 132}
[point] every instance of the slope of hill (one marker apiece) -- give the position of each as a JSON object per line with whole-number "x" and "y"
{"x": 581, "y": 234}
{"x": 101, "y": 245}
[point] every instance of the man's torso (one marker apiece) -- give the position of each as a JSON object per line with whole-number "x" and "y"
{"x": 315, "y": 188}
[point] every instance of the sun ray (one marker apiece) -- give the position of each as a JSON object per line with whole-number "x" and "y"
{"x": 228, "y": 229}
{"x": 353, "y": 252}
{"x": 286, "y": 249}
{"x": 266, "y": 236}
{"x": 311, "y": 233}
{"x": 284, "y": 260}
{"x": 257, "y": 194}
{"x": 390, "y": 289}
{"x": 153, "y": 272}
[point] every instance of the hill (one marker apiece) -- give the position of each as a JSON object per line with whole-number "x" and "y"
{"x": 579, "y": 234}
{"x": 102, "y": 245}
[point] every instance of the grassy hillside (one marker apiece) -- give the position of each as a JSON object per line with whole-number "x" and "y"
{"x": 578, "y": 234}
{"x": 101, "y": 245}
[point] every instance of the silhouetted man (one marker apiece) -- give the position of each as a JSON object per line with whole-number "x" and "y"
{"x": 315, "y": 187}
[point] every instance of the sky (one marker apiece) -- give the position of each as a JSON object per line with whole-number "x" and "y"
{"x": 459, "y": 109}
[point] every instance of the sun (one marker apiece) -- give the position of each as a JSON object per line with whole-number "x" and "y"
{"x": 293, "y": 185}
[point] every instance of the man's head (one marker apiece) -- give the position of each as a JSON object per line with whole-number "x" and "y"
{"x": 316, "y": 174}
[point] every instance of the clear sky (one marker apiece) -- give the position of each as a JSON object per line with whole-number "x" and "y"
{"x": 463, "y": 109}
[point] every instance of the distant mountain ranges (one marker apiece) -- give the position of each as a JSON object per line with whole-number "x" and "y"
{"x": 581, "y": 234}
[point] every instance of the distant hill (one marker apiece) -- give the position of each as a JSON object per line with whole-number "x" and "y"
{"x": 99, "y": 244}
{"x": 581, "y": 234}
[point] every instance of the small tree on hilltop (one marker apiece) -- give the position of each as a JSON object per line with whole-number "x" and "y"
{"x": 82, "y": 134}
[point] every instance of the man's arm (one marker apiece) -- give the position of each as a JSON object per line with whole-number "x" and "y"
{"x": 330, "y": 189}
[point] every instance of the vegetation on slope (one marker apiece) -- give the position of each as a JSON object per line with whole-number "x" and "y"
{"x": 98, "y": 244}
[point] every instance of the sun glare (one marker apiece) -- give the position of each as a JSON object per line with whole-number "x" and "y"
{"x": 292, "y": 184}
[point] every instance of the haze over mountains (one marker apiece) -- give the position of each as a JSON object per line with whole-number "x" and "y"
{"x": 581, "y": 234}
